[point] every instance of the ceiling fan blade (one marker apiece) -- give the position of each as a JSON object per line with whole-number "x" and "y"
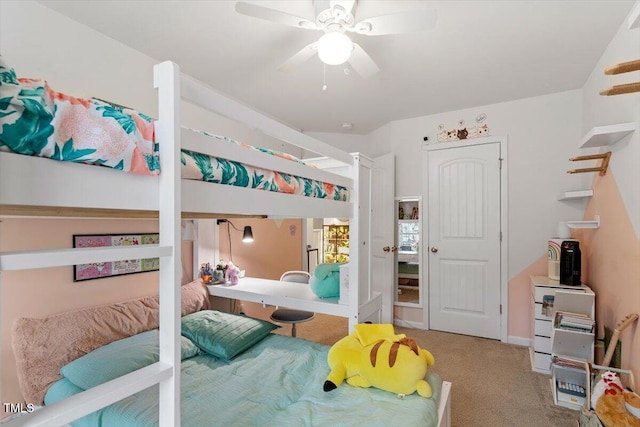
{"x": 347, "y": 5}
{"x": 397, "y": 23}
{"x": 303, "y": 55}
{"x": 273, "y": 15}
{"x": 362, "y": 62}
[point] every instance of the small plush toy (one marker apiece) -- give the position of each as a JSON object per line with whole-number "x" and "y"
{"x": 609, "y": 402}
{"x": 607, "y": 378}
{"x": 373, "y": 355}
{"x": 325, "y": 281}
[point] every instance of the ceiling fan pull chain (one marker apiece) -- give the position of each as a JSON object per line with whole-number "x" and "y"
{"x": 324, "y": 77}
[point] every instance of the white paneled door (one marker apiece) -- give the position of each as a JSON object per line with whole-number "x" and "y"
{"x": 383, "y": 232}
{"x": 464, "y": 240}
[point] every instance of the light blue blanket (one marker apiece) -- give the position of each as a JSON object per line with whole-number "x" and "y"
{"x": 278, "y": 382}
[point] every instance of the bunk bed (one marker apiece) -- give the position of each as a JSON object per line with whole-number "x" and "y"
{"x": 42, "y": 187}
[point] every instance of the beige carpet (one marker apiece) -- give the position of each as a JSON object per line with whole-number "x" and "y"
{"x": 493, "y": 384}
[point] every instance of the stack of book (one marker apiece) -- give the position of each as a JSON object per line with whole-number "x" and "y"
{"x": 567, "y": 362}
{"x": 574, "y": 321}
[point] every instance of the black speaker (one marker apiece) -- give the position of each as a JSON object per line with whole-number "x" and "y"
{"x": 570, "y": 264}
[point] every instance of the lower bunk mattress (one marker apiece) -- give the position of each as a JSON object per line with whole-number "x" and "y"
{"x": 276, "y": 382}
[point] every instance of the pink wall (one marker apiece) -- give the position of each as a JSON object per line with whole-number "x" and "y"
{"x": 277, "y": 246}
{"x": 611, "y": 266}
{"x": 39, "y": 293}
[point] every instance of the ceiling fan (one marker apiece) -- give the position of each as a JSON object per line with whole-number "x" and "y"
{"x": 335, "y": 18}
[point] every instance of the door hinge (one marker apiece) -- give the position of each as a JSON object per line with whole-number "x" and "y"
{"x": 501, "y": 236}
{"x": 500, "y": 308}
{"x": 500, "y": 159}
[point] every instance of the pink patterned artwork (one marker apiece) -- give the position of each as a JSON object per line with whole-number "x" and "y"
{"x": 107, "y": 269}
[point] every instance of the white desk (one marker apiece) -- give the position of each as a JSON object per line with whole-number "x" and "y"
{"x": 289, "y": 294}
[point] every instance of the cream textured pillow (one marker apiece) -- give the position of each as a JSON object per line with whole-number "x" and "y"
{"x": 43, "y": 346}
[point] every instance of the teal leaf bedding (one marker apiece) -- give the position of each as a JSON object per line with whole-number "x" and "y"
{"x": 277, "y": 382}
{"x": 36, "y": 120}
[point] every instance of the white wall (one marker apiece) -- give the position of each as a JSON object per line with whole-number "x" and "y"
{"x": 542, "y": 135}
{"x": 601, "y": 110}
{"x": 351, "y": 143}
{"x": 41, "y": 43}
{"x": 379, "y": 141}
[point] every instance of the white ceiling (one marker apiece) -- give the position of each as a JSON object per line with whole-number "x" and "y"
{"x": 480, "y": 52}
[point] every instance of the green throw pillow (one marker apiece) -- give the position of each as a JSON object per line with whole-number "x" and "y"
{"x": 224, "y": 335}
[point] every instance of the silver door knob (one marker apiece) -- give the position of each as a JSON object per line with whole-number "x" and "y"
{"x": 434, "y": 249}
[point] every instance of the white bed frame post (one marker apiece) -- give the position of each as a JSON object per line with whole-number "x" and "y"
{"x": 167, "y": 81}
{"x": 359, "y": 242}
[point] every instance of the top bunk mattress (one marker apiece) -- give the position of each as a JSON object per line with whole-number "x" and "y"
{"x": 36, "y": 120}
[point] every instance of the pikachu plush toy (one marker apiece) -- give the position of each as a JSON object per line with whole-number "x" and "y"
{"x": 374, "y": 356}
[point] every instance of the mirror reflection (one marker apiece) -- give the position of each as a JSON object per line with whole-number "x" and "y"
{"x": 408, "y": 240}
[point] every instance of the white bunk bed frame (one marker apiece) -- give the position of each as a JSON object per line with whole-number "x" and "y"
{"x": 32, "y": 191}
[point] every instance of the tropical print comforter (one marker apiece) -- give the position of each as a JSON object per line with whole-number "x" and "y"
{"x": 36, "y": 120}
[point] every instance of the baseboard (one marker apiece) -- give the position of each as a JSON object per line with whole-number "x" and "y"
{"x": 525, "y": 342}
{"x": 408, "y": 324}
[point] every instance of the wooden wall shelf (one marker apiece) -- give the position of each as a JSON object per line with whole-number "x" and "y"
{"x": 623, "y": 67}
{"x": 621, "y": 89}
{"x": 602, "y": 168}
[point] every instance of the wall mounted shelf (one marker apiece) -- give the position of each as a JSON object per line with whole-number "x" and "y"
{"x": 600, "y": 136}
{"x": 585, "y": 224}
{"x": 575, "y": 194}
{"x": 602, "y": 168}
{"x": 623, "y": 67}
{"x": 621, "y": 89}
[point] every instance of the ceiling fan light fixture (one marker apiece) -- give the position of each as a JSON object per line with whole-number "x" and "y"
{"x": 334, "y": 48}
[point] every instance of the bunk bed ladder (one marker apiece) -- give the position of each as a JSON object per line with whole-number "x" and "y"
{"x": 166, "y": 77}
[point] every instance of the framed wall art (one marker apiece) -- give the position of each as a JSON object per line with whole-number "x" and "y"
{"x": 116, "y": 268}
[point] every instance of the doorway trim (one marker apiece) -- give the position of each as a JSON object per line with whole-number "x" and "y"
{"x": 504, "y": 220}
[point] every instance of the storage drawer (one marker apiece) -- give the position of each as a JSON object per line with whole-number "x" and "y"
{"x": 542, "y": 362}
{"x": 575, "y": 383}
{"x": 541, "y": 291}
{"x": 538, "y": 312}
{"x": 542, "y": 328}
{"x": 573, "y": 344}
{"x": 542, "y": 344}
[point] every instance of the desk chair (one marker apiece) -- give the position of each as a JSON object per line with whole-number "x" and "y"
{"x": 285, "y": 315}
